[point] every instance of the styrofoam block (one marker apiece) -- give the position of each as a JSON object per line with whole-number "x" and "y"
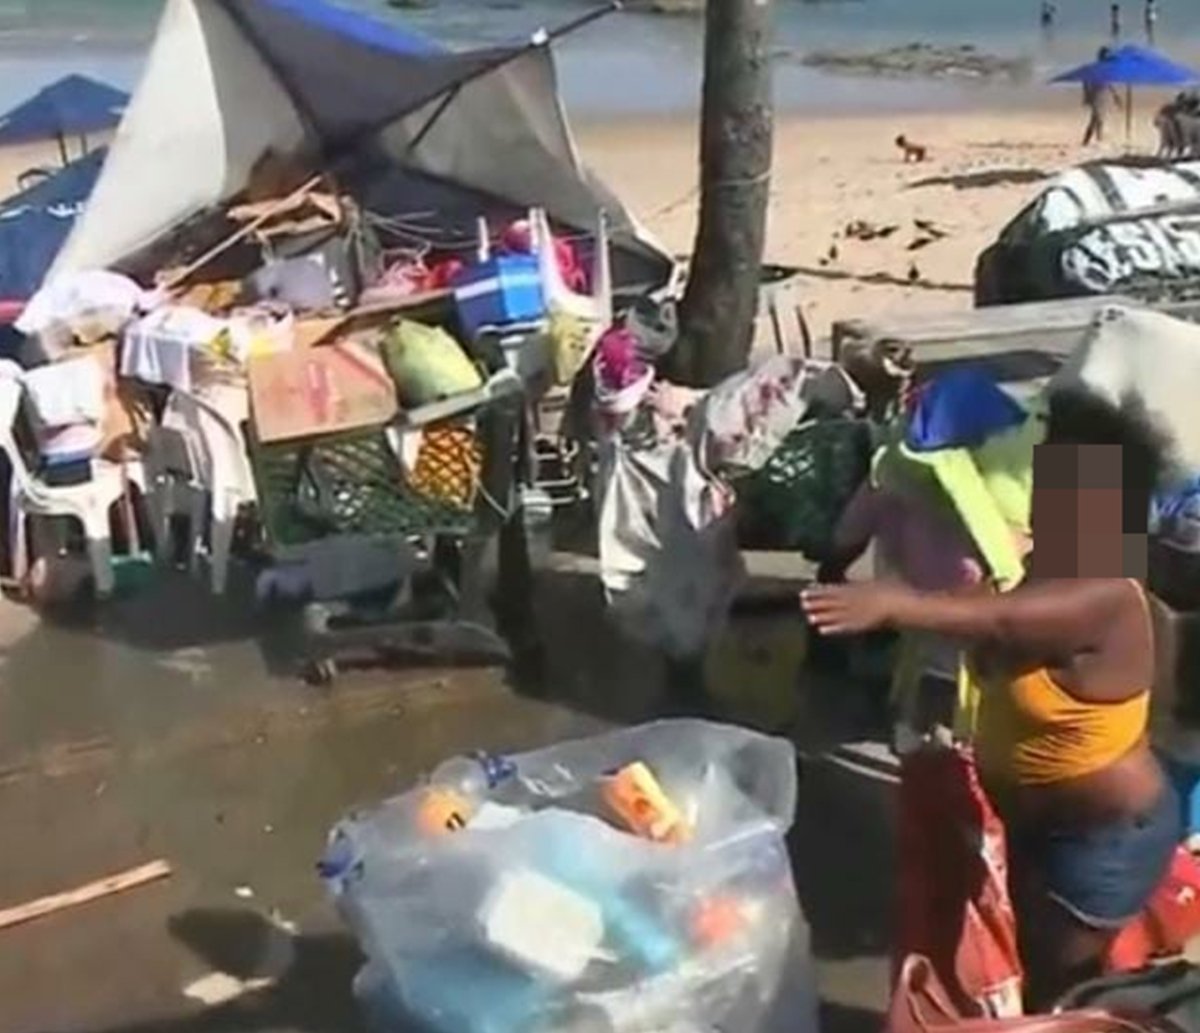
{"x": 541, "y": 924}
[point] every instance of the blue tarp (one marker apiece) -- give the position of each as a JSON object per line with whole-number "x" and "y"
{"x": 35, "y": 223}
{"x": 1131, "y": 66}
{"x": 961, "y": 409}
{"x": 358, "y": 27}
{"x": 340, "y": 68}
{"x": 73, "y": 106}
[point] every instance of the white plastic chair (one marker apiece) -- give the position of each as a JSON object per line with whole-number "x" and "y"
{"x": 219, "y": 482}
{"x": 89, "y": 503}
{"x": 595, "y": 307}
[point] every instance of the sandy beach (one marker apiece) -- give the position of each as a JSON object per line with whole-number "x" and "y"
{"x": 829, "y": 171}
{"x": 983, "y": 167}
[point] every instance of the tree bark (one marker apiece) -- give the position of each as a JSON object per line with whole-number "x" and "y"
{"x": 720, "y": 303}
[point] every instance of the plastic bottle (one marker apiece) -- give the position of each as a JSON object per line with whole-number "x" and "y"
{"x": 473, "y": 776}
{"x": 457, "y": 789}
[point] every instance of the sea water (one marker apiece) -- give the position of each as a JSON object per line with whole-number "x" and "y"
{"x": 643, "y": 64}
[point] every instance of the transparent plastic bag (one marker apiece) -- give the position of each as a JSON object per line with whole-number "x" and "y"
{"x": 527, "y": 905}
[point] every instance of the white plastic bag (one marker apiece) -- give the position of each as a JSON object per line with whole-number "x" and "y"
{"x": 85, "y": 306}
{"x": 696, "y": 937}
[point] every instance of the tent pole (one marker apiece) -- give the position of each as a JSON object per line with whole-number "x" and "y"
{"x": 62, "y": 148}
{"x": 543, "y": 36}
{"x": 241, "y": 234}
{"x": 539, "y": 39}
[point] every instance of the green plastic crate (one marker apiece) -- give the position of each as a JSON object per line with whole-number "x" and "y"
{"x": 348, "y": 483}
{"x": 794, "y": 501}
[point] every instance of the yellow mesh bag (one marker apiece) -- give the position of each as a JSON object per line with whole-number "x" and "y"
{"x": 448, "y": 466}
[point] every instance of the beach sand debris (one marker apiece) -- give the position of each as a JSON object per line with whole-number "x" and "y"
{"x": 243, "y": 893}
{"x": 926, "y": 226}
{"x": 219, "y": 988}
{"x": 107, "y": 887}
{"x": 914, "y": 273}
{"x": 860, "y": 229}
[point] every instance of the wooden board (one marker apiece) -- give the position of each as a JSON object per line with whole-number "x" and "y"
{"x": 119, "y": 883}
{"x": 307, "y": 392}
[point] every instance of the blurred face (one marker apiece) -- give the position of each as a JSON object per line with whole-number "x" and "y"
{"x": 1078, "y": 519}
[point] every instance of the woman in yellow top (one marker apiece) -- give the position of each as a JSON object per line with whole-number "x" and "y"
{"x": 1066, "y": 662}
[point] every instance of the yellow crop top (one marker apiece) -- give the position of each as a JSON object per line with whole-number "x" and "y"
{"x": 1031, "y": 731}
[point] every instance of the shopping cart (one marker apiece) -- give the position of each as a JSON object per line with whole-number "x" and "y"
{"x": 353, "y": 486}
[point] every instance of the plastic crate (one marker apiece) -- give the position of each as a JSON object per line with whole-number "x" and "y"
{"x": 348, "y": 483}
{"x": 795, "y": 500}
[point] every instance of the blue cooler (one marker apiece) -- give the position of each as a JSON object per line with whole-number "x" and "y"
{"x": 504, "y": 289}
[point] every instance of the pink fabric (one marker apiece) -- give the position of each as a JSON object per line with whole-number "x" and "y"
{"x": 618, "y": 364}
{"x": 518, "y": 239}
{"x": 929, "y": 550}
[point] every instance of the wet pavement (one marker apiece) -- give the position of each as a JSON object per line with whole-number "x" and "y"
{"x": 174, "y": 728}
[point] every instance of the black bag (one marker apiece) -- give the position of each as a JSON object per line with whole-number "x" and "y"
{"x": 1170, "y": 992}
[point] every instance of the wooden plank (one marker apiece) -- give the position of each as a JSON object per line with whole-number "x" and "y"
{"x": 1052, "y": 325}
{"x": 314, "y": 330}
{"x": 113, "y": 884}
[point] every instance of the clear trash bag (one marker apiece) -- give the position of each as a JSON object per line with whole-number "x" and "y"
{"x": 536, "y": 910}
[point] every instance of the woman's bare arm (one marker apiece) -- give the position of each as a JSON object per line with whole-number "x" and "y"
{"x": 1044, "y": 618}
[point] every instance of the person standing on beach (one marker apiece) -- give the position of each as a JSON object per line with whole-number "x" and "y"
{"x": 1049, "y": 14}
{"x": 1097, "y": 96}
{"x": 1115, "y": 19}
{"x": 1151, "y": 20}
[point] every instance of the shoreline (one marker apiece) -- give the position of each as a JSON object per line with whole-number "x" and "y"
{"x": 603, "y": 80}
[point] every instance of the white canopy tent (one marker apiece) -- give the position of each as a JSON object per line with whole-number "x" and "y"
{"x": 228, "y": 82}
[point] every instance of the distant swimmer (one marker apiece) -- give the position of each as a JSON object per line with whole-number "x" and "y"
{"x": 1049, "y": 15}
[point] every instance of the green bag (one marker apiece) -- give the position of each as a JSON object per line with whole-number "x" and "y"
{"x": 794, "y": 501}
{"x": 427, "y": 364}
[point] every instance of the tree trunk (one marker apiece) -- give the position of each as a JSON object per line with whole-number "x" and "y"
{"x": 720, "y": 303}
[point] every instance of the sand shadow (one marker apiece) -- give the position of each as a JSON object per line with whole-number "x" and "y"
{"x": 840, "y": 1018}
{"x": 311, "y": 995}
{"x": 983, "y": 179}
{"x": 883, "y": 279}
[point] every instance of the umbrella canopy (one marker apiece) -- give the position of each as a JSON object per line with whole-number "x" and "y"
{"x": 1131, "y": 66}
{"x": 416, "y": 130}
{"x": 73, "y": 106}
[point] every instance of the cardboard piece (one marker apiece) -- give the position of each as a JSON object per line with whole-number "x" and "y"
{"x": 321, "y": 390}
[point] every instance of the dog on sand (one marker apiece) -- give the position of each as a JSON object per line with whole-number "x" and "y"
{"x": 913, "y": 152}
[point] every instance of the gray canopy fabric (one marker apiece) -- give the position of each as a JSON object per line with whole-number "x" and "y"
{"x": 229, "y": 81}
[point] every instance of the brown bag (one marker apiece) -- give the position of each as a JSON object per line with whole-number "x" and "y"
{"x": 920, "y": 1004}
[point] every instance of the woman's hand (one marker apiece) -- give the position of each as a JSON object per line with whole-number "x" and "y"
{"x": 851, "y": 609}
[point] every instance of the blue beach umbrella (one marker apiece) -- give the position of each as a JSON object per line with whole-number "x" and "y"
{"x": 72, "y": 106}
{"x": 1130, "y": 66}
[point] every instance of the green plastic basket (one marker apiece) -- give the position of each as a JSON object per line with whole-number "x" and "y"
{"x": 794, "y": 501}
{"x": 348, "y": 483}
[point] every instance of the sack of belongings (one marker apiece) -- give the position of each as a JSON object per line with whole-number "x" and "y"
{"x": 634, "y": 881}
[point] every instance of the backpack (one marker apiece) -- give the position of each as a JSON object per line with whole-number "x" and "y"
{"x": 1169, "y": 992}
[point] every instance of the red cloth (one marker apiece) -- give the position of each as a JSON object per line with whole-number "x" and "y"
{"x": 955, "y": 907}
{"x": 1171, "y": 918}
{"x": 518, "y": 239}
